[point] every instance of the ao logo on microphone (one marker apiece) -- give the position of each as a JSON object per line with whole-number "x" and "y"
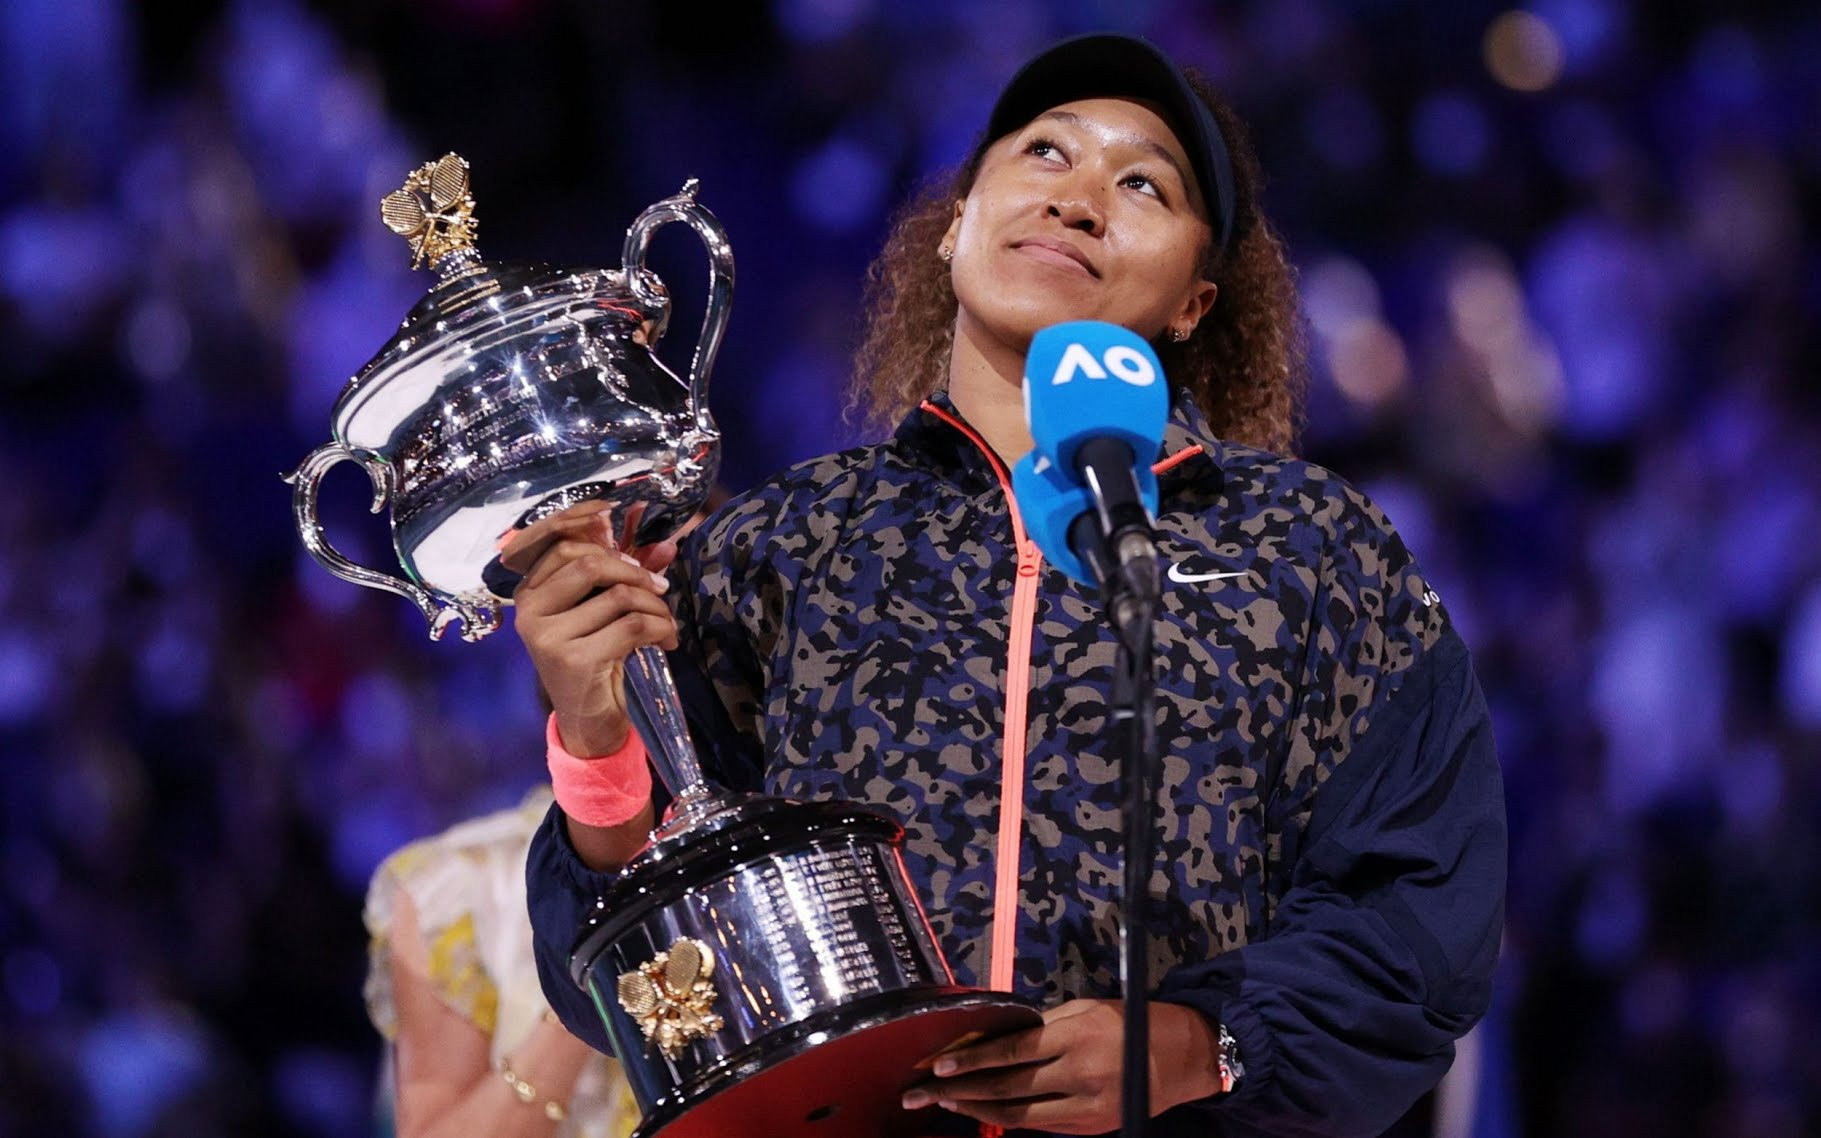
{"x": 1122, "y": 362}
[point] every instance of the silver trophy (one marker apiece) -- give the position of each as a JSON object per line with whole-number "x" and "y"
{"x": 763, "y": 968}
{"x": 512, "y": 392}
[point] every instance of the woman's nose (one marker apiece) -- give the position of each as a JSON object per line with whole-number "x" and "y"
{"x": 1075, "y": 204}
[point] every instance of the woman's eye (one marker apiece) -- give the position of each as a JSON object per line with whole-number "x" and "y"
{"x": 1143, "y": 183}
{"x": 1043, "y": 148}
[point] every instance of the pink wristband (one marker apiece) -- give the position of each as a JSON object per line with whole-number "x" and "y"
{"x": 608, "y": 791}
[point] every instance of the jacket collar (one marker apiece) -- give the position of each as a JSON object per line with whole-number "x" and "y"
{"x": 1188, "y": 430}
{"x": 938, "y": 446}
{"x": 924, "y": 438}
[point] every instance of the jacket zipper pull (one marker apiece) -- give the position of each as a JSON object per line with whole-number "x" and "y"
{"x": 1029, "y": 558}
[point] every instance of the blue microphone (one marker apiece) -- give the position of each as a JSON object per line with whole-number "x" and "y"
{"x": 1096, "y": 402}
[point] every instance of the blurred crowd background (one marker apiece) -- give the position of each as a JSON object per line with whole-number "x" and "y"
{"x": 1561, "y": 274}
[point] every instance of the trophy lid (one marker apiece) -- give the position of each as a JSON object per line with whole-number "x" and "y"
{"x": 475, "y": 306}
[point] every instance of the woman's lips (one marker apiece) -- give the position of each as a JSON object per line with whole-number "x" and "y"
{"x": 1057, "y": 253}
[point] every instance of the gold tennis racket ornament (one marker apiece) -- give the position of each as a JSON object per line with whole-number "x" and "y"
{"x": 434, "y": 210}
{"x": 671, "y": 995}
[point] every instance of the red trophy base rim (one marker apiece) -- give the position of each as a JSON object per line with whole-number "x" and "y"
{"x": 851, "y": 1083}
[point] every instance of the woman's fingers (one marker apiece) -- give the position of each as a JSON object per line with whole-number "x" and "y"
{"x": 657, "y": 556}
{"x": 630, "y": 518}
{"x": 998, "y": 1084}
{"x": 1010, "y": 1066}
{"x": 520, "y": 549}
{"x": 629, "y": 633}
{"x": 1061, "y": 1076}
{"x": 602, "y": 611}
{"x": 571, "y": 570}
{"x": 1032, "y": 1045}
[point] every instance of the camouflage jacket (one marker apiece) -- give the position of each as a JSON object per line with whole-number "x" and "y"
{"x": 1331, "y": 869}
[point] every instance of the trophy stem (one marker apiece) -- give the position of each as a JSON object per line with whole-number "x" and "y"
{"x": 657, "y": 715}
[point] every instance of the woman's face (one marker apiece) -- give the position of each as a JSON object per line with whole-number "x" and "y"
{"x": 1088, "y": 212}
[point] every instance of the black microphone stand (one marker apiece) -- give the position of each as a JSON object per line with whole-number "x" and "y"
{"x": 1129, "y": 590}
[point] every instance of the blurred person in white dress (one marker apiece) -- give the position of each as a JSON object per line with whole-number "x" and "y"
{"x": 472, "y": 1048}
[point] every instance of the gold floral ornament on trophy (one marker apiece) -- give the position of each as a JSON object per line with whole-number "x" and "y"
{"x": 671, "y": 995}
{"x": 434, "y": 210}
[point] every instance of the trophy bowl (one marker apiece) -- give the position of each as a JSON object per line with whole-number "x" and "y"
{"x": 512, "y": 392}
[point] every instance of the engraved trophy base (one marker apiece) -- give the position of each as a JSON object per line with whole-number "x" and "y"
{"x": 764, "y": 970}
{"x": 842, "y": 1072}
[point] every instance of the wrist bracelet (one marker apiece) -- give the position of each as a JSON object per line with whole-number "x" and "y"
{"x": 527, "y": 1094}
{"x": 608, "y": 791}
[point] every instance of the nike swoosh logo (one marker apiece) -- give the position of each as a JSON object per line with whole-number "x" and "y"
{"x": 1181, "y": 578}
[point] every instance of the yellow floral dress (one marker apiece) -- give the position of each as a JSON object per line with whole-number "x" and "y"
{"x": 467, "y": 885}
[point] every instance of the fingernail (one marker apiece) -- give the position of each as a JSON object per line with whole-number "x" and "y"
{"x": 660, "y": 581}
{"x": 915, "y": 1100}
{"x": 946, "y": 1066}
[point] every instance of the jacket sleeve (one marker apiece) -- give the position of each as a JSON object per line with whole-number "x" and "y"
{"x": 560, "y": 890}
{"x": 1381, "y": 952}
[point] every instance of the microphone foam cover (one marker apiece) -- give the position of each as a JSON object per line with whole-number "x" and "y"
{"x": 1090, "y": 379}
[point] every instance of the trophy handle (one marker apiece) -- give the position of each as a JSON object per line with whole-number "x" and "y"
{"x": 682, "y": 206}
{"x": 479, "y": 614}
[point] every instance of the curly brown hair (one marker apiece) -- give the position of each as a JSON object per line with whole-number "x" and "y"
{"x": 1244, "y": 363}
